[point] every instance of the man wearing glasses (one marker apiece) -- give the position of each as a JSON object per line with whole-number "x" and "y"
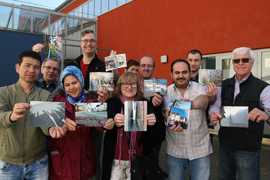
{"x": 240, "y": 147}
{"x": 88, "y": 61}
{"x": 156, "y": 134}
{"x": 50, "y": 70}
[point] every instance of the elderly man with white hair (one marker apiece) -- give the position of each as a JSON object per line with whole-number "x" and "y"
{"x": 239, "y": 146}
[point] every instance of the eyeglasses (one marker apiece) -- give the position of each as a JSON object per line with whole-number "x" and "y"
{"x": 243, "y": 60}
{"x": 85, "y": 41}
{"x": 51, "y": 68}
{"x": 149, "y": 66}
{"x": 128, "y": 85}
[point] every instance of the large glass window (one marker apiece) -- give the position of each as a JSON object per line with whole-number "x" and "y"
{"x": 266, "y": 66}
{"x": 209, "y": 62}
{"x": 226, "y": 67}
{"x": 97, "y": 7}
{"x": 112, "y": 4}
{"x": 104, "y": 6}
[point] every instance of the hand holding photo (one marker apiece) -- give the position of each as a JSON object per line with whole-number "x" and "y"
{"x": 207, "y": 76}
{"x": 152, "y": 86}
{"x": 235, "y": 116}
{"x": 91, "y": 114}
{"x": 46, "y": 114}
{"x": 179, "y": 114}
{"x": 115, "y": 61}
{"x": 55, "y": 48}
{"x": 101, "y": 80}
{"x": 135, "y": 113}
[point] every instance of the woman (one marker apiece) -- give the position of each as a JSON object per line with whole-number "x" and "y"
{"x": 73, "y": 156}
{"x": 122, "y": 149}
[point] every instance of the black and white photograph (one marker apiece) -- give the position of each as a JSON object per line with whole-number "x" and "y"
{"x": 179, "y": 114}
{"x": 135, "y": 112}
{"x": 115, "y": 62}
{"x": 235, "y": 116}
{"x": 46, "y": 114}
{"x": 207, "y": 76}
{"x": 91, "y": 114}
{"x": 152, "y": 86}
{"x": 101, "y": 80}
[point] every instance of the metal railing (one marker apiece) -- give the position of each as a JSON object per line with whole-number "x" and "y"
{"x": 38, "y": 20}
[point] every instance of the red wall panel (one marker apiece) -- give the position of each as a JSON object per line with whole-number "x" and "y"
{"x": 158, "y": 27}
{"x": 74, "y": 4}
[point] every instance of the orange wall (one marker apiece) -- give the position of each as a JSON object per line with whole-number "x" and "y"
{"x": 158, "y": 27}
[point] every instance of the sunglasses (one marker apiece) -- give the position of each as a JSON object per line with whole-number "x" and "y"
{"x": 243, "y": 60}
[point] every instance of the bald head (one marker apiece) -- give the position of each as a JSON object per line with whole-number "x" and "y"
{"x": 147, "y": 66}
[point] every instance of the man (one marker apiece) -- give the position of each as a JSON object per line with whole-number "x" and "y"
{"x": 240, "y": 147}
{"x": 154, "y": 135}
{"x": 133, "y": 66}
{"x": 88, "y": 61}
{"x": 194, "y": 58}
{"x": 147, "y": 67}
{"x": 50, "y": 71}
{"x": 190, "y": 146}
{"x": 23, "y": 153}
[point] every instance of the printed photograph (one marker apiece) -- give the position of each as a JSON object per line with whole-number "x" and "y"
{"x": 55, "y": 47}
{"x": 207, "y": 76}
{"x": 101, "y": 80}
{"x": 115, "y": 62}
{"x": 91, "y": 114}
{"x": 46, "y": 114}
{"x": 135, "y": 112}
{"x": 235, "y": 116}
{"x": 179, "y": 114}
{"x": 152, "y": 86}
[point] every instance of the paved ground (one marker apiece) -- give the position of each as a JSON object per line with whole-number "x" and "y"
{"x": 265, "y": 162}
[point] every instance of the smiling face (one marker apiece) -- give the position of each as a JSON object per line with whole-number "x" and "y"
{"x": 129, "y": 90}
{"x": 28, "y": 70}
{"x": 180, "y": 75}
{"x": 72, "y": 86}
{"x": 50, "y": 71}
{"x": 147, "y": 66}
{"x": 242, "y": 64}
{"x": 88, "y": 44}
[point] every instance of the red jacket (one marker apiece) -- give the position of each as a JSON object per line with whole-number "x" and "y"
{"x": 73, "y": 156}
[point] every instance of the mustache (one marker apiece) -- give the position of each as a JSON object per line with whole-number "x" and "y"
{"x": 181, "y": 79}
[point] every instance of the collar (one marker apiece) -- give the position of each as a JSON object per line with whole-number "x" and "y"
{"x": 243, "y": 80}
{"x": 19, "y": 87}
{"x": 188, "y": 86}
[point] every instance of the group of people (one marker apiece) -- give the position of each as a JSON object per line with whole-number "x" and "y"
{"x": 75, "y": 152}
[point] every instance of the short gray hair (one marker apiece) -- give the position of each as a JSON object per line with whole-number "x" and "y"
{"x": 244, "y": 50}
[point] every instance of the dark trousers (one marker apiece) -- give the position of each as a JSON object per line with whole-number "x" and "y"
{"x": 238, "y": 164}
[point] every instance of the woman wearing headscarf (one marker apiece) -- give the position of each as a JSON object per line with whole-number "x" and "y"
{"x": 73, "y": 157}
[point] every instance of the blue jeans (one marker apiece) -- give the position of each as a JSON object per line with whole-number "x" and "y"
{"x": 199, "y": 168}
{"x": 240, "y": 165}
{"x": 38, "y": 170}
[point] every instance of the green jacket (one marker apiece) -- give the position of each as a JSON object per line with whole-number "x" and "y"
{"x": 20, "y": 144}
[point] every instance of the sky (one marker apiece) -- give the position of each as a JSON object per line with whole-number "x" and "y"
{"x": 49, "y": 4}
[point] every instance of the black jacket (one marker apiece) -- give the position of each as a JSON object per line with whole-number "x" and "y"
{"x": 96, "y": 65}
{"x": 247, "y": 139}
{"x": 114, "y": 106}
